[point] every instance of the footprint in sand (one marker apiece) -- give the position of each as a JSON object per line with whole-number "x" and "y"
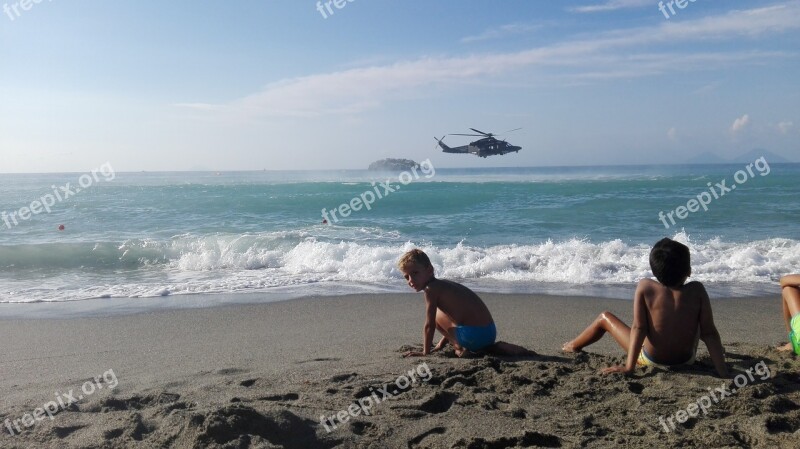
{"x": 113, "y": 433}
{"x": 781, "y": 424}
{"x": 635, "y": 387}
{"x": 137, "y": 402}
{"x": 229, "y": 425}
{"x": 343, "y": 377}
{"x": 320, "y": 359}
{"x": 363, "y": 428}
{"x": 229, "y": 371}
{"x": 439, "y": 403}
{"x": 415, "y": 442}
{"x": 63, "y": 432}
{"x": 529, "y": 439}
{"x": 281, "y": 397}
{"x": 780, "y": 404}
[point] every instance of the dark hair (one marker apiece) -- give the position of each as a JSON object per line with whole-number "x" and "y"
{"x": 670, "y": 262}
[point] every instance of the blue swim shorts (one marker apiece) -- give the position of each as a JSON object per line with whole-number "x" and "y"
{"x": 475, "y": 338}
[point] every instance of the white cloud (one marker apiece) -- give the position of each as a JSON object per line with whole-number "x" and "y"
{"x": 740, "y": 123}
{"x": 611, "y": 5}
{"x": 672, "y": 133}
{"x": 785, "y": 126}
{"x": 609, "y": 55}
{"x": 707, "y": 88}
{"x": 500, "y": 32}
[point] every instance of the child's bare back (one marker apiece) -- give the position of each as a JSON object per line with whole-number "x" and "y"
{"x": 674, "y": 319}
{"x": 459, "y": 303}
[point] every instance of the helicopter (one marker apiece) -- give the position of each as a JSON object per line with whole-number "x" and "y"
{"x": 487, "y": 146}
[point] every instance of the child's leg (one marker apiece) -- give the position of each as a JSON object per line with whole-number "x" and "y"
{"x": 605, "y": 322}
{"x": 791, "y": 307}
{"x": 791, "y": 304}
{"x": 447, "y": 328}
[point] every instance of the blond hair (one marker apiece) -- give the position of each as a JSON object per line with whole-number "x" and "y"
{"x": 415, "y": 256}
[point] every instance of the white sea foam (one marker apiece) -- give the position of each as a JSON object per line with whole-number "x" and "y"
{"x": 263, "y": 262}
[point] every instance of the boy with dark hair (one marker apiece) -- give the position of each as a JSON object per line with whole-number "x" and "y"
{"x": 669, "y": 317}
{"x": 456, "y": 311}
{"x": 670, "y": 262}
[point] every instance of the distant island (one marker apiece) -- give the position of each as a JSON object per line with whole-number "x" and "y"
{"x": 393, "y": 165}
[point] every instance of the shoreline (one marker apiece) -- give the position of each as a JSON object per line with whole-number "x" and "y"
{"x": 115, "y": 306}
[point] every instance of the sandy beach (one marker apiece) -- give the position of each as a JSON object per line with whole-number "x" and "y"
{"x": 284, "y": 374}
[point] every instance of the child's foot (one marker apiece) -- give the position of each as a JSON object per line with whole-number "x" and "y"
{"x": 570, "y": 347}
{"x": 785, "y": 348}
{"x": 467, "y": 354}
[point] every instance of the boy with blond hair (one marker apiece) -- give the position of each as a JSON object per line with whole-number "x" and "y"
{"x": 454, "y": 310}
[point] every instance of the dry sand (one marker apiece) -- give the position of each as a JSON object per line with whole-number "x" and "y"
{"x": 262, "y": 375}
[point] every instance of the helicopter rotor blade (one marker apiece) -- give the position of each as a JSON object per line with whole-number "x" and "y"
{"x": 471, "y": 135}
{"x": 512, "y": 130}
{"x": 481, "y": 132}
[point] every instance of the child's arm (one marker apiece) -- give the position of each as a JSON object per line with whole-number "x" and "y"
{"x": 791, "y": 280}
{"x": 639, "y": 329}
{"x": 430, "y": 326}
{"x": 710, "y": 335}
{"x": 430, "y": 323}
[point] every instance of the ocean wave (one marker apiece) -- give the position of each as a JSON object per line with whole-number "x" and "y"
{"x": 224, "y": 263}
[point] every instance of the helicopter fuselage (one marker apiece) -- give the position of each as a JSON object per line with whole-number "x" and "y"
{"x": 487, "y": 146}
{"x": 483, "y": 148}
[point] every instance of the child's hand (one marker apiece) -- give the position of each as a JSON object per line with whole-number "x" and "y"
{"x": 616, "y": 369}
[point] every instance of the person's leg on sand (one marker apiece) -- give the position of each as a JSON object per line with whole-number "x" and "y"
{"x": 446, "y": 326}
{"x": 605, "y": 322}
{"x": 791, "y": 309}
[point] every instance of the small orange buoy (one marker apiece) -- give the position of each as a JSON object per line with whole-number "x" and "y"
{"x": 61, "y": 227}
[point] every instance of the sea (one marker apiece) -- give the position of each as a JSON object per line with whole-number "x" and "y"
{"x": 576, "y": 231}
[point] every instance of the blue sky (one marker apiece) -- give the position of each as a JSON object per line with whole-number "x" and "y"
{"x": 272, "y": 84}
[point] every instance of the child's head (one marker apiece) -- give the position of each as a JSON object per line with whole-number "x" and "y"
{"x": 416, "y": 268}
{"x": 415, "y": 256}
{"x": 670, "y": 262}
